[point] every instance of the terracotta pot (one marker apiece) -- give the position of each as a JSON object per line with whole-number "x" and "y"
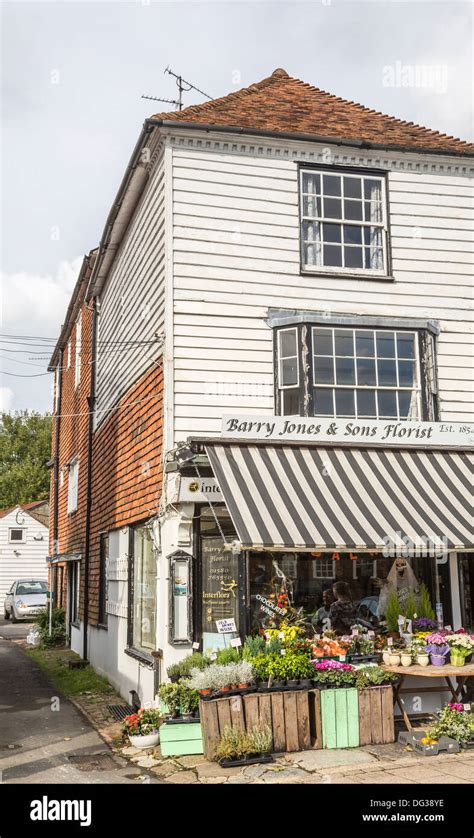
{"x": 243, "y": 686}
{"x": 205, "y": 692}
{"x": 225, "y": 689}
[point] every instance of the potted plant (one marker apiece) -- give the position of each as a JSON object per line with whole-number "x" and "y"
{"x": 142, "y": 728}
{"x": 418, "y": 652}
{"x": 277, "y": 671}
{"x": 333, "y": 674}
{"x": 244, "y": 675}
{"x": 460, "y": 646}
{"x": 201, "y": 681}
{"x": 171, "y": 697}
{"x": 406, "y": 658}
{"x": 241, "y": 747}
{"x": 454, "y": 722}
{"x": 188, "y": 700}
{"x": 437, "y": 648}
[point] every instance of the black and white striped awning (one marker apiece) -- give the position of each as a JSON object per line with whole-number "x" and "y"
{"x": 303, "y": 497}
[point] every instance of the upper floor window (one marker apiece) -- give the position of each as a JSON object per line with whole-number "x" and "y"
{"x": 73, "y": 485}
{"x": 343, "y": 222}
{"x": 350, "y": 372}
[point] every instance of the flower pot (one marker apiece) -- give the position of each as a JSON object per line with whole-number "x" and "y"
{"x": 306, "y": 682}
{"x": 394, "y": 660}
{"x": 457, "y": 660}
{"x": 243, "y": 686}
{"x": 226, "y": 689}
{"x": 187, "y": 715}
{"x": 437, "y": 660}
{"x": 292, "y": 682}
{"x": 423, "y": 660}
{"x": 148, "y": 741}
{"x": 406, "y": 660}
{"x": 205, "y": 692}
{"x": 386, "y": 658}
{"x": 279, "y": 684}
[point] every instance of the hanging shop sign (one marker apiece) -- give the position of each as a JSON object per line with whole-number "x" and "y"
{"x": 198, "y": 490}
{"x": 349, "y": 431}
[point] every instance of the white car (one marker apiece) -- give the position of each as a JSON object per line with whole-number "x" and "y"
{"x": 25, "y": 599}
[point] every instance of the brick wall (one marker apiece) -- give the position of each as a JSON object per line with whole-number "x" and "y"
{"x": 126, "y": 464}
{"x": 127, "y": 467}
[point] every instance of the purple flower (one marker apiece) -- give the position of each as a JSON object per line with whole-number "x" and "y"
{"x": 325, "y": 665}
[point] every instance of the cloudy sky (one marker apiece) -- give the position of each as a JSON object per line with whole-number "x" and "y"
{"x": 73, "y": 76}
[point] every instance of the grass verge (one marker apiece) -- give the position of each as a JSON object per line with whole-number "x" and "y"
{"x": 54, "y": 662}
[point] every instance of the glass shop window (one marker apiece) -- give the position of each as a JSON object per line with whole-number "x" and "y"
{"x": 219, "y": 580}
{"x": 300, "y": 580}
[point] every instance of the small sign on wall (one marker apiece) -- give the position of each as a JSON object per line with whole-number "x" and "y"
{"x": 226, "y": 626}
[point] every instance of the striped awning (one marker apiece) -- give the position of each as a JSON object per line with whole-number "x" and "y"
{"x": 307, "y": 498}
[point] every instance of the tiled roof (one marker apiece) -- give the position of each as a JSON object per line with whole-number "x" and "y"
{"x": 283, "y": 104}
{"x": 34, "y": 508}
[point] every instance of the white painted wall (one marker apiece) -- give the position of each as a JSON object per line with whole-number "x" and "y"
{"x": 106, "y": 647}
{"x": 30, "y": 563}
{"x": 236, "y": 254}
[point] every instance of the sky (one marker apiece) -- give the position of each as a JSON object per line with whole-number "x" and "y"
{"x": 73, "y": 76}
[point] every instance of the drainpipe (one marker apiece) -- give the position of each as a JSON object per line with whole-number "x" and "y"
{"x": 90, "y": 436}
{"x": 54, "y": 570}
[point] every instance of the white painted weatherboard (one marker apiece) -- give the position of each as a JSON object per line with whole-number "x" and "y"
{"x": 132, "y": 302}
{"x": 236, "y": 254}
{"x": 30, "y": 563}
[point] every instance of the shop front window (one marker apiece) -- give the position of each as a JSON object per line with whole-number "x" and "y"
{"x": 466, "y": 579}
{"x": 300, "y": 580}
{"x": 220, "y": 594}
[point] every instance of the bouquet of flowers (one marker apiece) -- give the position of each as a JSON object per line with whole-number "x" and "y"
{"x": 334, "y": 673}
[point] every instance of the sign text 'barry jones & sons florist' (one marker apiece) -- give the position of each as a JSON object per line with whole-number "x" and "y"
{"x": 384, "y": 432}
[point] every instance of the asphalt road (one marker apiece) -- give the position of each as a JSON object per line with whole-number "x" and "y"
{"x": 43, "y": 737}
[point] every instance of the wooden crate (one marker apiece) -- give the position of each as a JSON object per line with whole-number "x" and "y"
{"x": 340, "y": 718}
{"x": 376, "y": 718}
{"x": 180, "y": 739}
{"x": 294, "y": 718}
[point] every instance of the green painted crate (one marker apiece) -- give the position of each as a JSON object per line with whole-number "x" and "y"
{"x": 180, "y": 739}
{"x": 340, "y": 718}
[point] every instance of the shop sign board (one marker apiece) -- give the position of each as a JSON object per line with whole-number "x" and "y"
{"x": 197, "y": 490}
{"x": 384, "y": 432}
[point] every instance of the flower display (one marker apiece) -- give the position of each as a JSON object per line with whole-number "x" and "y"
{"x": 460, "y": 643}
{"x": 142, "y": 723}
{"x": 453, "y": 722}
{"x": 424, "y": 624}
{"x": 435, "y": 644}
{"x": 325, "y": 665}
{"x": 327, "y": 647}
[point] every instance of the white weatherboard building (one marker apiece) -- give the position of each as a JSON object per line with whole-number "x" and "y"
{"x": 23, "y": 544}
{"x": 316, "y": 266}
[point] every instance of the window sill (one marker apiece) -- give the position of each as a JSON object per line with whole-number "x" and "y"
{"x": 76, "y": 624}
{"x": 142, "y": 657}
{"x": 342, "y": 275}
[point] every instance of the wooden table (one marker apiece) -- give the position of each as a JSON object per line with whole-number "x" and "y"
{"x": 461, "y": 673}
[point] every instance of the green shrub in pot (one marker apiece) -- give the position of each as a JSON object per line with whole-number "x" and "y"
{"x": 170, "y": 695}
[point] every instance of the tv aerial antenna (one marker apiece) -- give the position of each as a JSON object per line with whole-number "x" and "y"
{"x": 183, "y": 87}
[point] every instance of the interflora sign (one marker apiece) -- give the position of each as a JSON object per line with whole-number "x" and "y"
{"x": 384, "y": 432}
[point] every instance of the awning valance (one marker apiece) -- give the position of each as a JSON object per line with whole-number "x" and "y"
{"x": 308, "y": 497}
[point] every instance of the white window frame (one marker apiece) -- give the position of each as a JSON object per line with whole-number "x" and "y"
{"x": 383, "y": 225}
{"x": 416, "y": 389}
{"x": 362, "y": 559}
{"x": 285, "y": 357}
{"x": 68, "y": 360}
{"x": 324, "y": 559}
{"x": 77, "y": 357}
{"x": 17, "y": 540}
{"x": 75, "y": 592}
{"x": 73, "y": 486}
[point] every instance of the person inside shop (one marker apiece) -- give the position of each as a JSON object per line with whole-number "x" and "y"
{"x": 342, "y": 612}
{"x": 321, "y": 619}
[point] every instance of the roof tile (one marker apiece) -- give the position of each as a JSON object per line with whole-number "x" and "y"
{"x": 283, "y": 104}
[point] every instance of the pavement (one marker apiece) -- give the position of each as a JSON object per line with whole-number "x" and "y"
{"x": 375, "y": 764}
{"x": 43, "y": 737}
